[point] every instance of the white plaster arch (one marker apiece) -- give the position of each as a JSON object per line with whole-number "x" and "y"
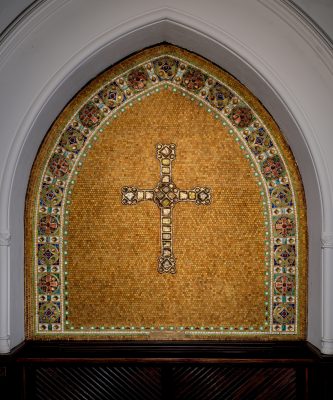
{"x": 273, "y": 51}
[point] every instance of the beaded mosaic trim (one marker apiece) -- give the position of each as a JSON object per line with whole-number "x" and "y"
{"x": 165, "y": 72}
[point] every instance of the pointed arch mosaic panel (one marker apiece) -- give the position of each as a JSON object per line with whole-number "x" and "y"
{"x": 165, "y": 132}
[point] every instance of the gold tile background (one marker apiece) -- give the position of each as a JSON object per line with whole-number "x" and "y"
{"x": 240, "y": 284}
{"x": 113, "y": 249}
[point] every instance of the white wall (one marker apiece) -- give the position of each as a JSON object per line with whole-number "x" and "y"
{"x": 264, "y": 43}
{"x": 321, "y": 11}
{"x": 10, "y": 10}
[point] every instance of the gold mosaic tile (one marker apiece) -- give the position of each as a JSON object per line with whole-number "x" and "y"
{"x": 165, "y": 127}
{"x": 211, "y": 258}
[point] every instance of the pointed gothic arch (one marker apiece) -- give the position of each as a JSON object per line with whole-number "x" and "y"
{"x": 163, "y": 24}
{"x": 267, "y": 270}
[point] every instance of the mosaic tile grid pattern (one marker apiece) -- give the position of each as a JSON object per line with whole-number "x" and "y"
{"x": 206, "y": 253}
{"x": 176, "y": 71}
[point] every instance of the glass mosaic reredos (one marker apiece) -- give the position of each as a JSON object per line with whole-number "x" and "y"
{"x": 169, "y": 69}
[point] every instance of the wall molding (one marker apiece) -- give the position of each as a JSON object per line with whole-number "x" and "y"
{"x": 310, "y": 21}
{"x": 304, "y": 26}
{"x": 327, "y": 346}
{"x": 327, "y": 240}
{"x": 4, "y": 344}
{"x": 25, "y": 24}
{"x": 5, "y": 239}
{"x": 11, "y": 27}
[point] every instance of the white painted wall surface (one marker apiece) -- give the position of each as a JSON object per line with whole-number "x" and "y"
{"x": 10, "y": 9}
{"x": 65, "y": 43}
{"x": 321, "y": 11}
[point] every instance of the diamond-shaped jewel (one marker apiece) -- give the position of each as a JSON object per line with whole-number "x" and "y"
{"x": 166, "y": 202}
{"x": 166, "y": 189}
{"x": 203, "y": 196}
{"x": 129, "y": 196}
{"x": 48, "y": 312}
{"x": 50, "y": 195}
{"x": 167, "y": 264}
{"x": 48, "y": 254}
{"x": 160, "y": 195}
{"x": 165, "y": 151}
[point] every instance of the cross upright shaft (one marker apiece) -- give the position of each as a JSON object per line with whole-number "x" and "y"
{"x": 166, "y": 195}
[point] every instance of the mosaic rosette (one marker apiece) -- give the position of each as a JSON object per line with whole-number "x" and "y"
{"x": 169, "y": 71}
{"x": 166, "y": 68}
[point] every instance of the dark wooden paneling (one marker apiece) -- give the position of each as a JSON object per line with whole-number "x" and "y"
{"x": 4, "y": 377}
{"x": 167, "y": 351}
{"x": 167, "y": 371}
{"x": 96, "y": 382}
{"x": 183, "y": 383}
{"x": 326, "y": 377}
{"x": 215, "y": 383}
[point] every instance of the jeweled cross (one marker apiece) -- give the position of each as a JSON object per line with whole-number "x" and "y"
{"x": 166, "y": 195}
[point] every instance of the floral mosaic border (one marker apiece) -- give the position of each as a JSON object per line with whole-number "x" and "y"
{"x": 109, "y": 102}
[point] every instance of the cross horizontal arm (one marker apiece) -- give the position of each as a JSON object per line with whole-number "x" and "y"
{"x": 197, "y": 195}
{"x": 132, "y": 195}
